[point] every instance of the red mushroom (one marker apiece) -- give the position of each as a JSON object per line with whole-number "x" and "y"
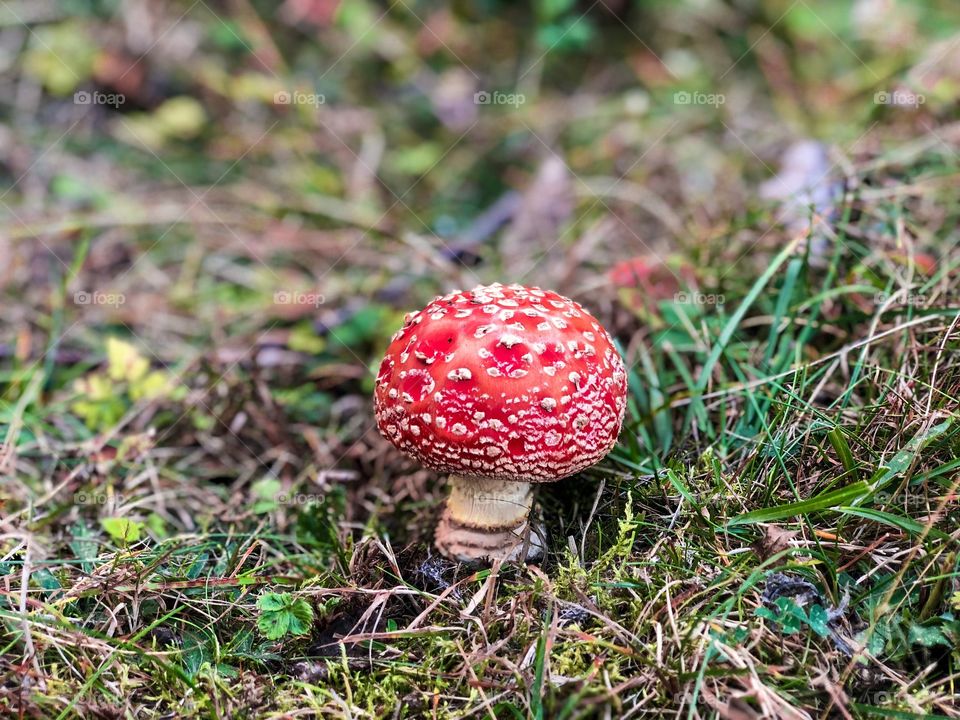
{"x": 501, "y": 387}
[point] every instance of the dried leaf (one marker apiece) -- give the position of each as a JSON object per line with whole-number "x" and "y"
{"x": 775, "y": 539}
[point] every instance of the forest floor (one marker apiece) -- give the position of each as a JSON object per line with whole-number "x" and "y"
{"x": 214, "y": 216}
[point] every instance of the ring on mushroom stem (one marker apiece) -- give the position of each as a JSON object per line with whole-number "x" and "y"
{"x": 488, "y": 518}
{"x": 502, "y": 387}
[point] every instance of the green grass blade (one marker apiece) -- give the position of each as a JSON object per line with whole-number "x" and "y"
{"x": 839, "y": 443}
{"x": 818, "y": 503}
{"x": 898, "y": 521}
{"x": 731, "y": 327}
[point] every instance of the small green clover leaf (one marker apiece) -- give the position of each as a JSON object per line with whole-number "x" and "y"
{"x": 791, "y": 617}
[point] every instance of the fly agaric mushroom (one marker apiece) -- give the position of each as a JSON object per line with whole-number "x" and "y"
{"x": 502, "y": 387}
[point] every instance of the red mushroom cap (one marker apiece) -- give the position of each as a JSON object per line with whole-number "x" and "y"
{"x": 507, "y": 382}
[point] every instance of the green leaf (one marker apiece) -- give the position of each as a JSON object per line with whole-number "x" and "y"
{"x": 197, "y": 566}
{"x": 567, "y": 34}
{"x": 819, "y": 621}
{"x": 792, "y": 616}
{"x": 878, "y": 639}
{"x": 45, "y": 579}
{"x": 98, "y": 403}
{"x": 150, "y": 387}
{"x": 274, "y": 625}
{"x": 157, "y": 526}
{"x": 415, "y": 160}
{"x": 303, "y": 338}
{"x": 271, "y": 602}
{"x": 927, "y": 635}
{"x": 266, "y": 490}
{"x": 550, "y": 9}
{"x": 124, "y": 361}
{"x": 123, "y": 530}
{"x": 181, "y": 117}
{"x": 283, "y": 614}
{"x": 195, "y": 651}
{"x": 301, "y": 617}
{"x": 60, "y": 55}
{"x": 228, "y": 35}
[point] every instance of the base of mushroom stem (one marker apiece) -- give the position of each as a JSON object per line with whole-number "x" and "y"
{"x": 469, "y": 545}
{"x": 487, "y": 520}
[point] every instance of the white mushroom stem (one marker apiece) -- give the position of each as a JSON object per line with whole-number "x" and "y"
{"x": 488, "y": 519}
{"x": 483, "y": 503}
